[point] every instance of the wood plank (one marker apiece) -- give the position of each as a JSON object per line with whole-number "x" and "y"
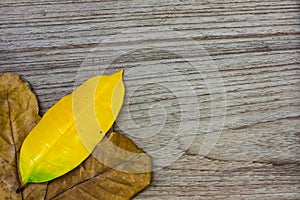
{"x": 195, "y": 178}
{"x": 254, "y": 45}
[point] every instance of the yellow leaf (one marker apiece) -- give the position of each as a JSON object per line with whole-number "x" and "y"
{"x": 70, "y": 130}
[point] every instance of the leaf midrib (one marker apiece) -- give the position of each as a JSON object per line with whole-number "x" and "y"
{"x": 13, "y": 139}
{"x": 98, "y": 174}
{"x": 70, "y": 124}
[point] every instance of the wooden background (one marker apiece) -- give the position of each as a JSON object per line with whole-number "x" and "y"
{"x": 254, "y": 44}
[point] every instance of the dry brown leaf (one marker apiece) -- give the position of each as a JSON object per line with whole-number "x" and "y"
{"x": 18, "y": 115}
{"x": 125, "y": 172}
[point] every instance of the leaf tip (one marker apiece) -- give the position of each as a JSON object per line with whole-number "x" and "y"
{"x": 121, "y": 72}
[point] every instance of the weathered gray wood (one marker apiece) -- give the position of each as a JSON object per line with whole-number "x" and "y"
{"x": 212, "y": 179}
{"x": 254, "y": 44}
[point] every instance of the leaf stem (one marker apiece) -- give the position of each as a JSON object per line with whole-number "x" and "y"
{"x": 21, "y": 188}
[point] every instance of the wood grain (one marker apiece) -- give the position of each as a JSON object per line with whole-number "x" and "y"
{"x": 55, "y": 45}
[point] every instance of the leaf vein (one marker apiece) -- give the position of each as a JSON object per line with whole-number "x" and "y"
{"x": 96, "y": 175}
{"x": 13, "y": 140}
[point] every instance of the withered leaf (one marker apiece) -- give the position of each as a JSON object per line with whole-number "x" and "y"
{"x": 18, "y": 115}
{"x": 117, "y": 169}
